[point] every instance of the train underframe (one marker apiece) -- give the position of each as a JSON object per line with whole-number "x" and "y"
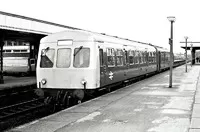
{"x": 68, "y": 97}
{"x": 63, "y": 97}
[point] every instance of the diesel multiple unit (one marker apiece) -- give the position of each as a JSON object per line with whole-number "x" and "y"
{"x": 75, "y": 62}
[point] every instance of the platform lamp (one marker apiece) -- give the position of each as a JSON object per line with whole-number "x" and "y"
{"x": 172, "y": 20}
{"x": 186, "y": 37}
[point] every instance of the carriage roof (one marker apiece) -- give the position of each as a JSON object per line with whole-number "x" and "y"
{"x": 81, "y": 35}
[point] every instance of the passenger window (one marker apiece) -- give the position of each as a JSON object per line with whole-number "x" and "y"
{"x": 140, "y": 57}
{"x": 9, "y": 43}
{"x": 63, "y": 58}
{"x": 144, "y": 57}
{"x": 154, "y": 56}
{"x": 101, "y": 57}
{"x": 150, "y": 57}
{"x": 126, "y": 57}
{"x": 8, "y": 51}
{"x": 81, "y": 57}
{"x": 111, "y": 57}
{"x": 131, "y": 57}
{"x": 119, "y": 55}
{"x": 162, "y": 57}
{"x": 136, "y": 57}
{"x": 16, "y": 50}
{"x": 168, "y": 57}
{"x": 24, "y": 51}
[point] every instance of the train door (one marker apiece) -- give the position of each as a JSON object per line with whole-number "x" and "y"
{"x": 112, "y": 74}
{"x": 146, "y": 60}
{"x": 158, "y": 61}
{"x": 126, "y": 63}
{"x": 102, "y": 68}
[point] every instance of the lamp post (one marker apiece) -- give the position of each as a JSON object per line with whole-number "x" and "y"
{"x": 172, "y": 20}
{"x": 186, "y": 53}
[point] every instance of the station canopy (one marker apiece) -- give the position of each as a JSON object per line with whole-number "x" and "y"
{"x": 193, "y": 45}
{"x": 14, "y": 22}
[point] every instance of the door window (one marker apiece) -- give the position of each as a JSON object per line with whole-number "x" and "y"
{"x": 101, "y": 57}
{"x": 119, "y": 56}
{"x": 111, "y": 57}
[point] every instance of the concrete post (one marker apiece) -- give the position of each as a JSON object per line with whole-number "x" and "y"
{"x": 186, "y": 53}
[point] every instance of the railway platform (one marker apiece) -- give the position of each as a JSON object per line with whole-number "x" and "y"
{"x": 15, "y": 82}
{"x": 146, "y": 106}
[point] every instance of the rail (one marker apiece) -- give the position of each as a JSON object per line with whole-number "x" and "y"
{"x": 16, "y": 109}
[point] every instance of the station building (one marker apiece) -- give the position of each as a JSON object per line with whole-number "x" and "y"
{"x": 26, "y": 32}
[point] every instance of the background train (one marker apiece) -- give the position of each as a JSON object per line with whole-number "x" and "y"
{"x": 16, "y": 58}
{"x": 75, "y": 62}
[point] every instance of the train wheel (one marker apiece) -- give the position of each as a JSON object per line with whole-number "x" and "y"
{"x": 79, "y": 94}
{"x": 39, "y": 92}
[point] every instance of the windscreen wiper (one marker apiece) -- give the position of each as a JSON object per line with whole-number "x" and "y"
{"x": 45, "y": 51}
{"x": 78, "y": 50}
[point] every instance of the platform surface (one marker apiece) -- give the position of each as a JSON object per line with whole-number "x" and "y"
{"x": 146, "y": 106}
{"x": 13, "y": 82}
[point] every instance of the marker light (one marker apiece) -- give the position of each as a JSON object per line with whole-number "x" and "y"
{"x": 83, "y": 82}
{"x": 43, "y": 81}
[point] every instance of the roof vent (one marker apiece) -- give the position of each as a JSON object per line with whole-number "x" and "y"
{"x": 103, "y": 33}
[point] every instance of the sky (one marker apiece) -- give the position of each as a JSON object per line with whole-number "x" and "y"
{"x": 139, "y": 20}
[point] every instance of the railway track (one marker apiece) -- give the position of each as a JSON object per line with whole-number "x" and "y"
{"x": 20, "y": 108}
{"x": 15, "y": 95}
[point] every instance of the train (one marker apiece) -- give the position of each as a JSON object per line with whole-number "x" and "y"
{"x": 16, "y": 58}
{"x": 74, "y": 63}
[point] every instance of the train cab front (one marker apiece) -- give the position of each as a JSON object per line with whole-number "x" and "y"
{"x": 65, "y": 70}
